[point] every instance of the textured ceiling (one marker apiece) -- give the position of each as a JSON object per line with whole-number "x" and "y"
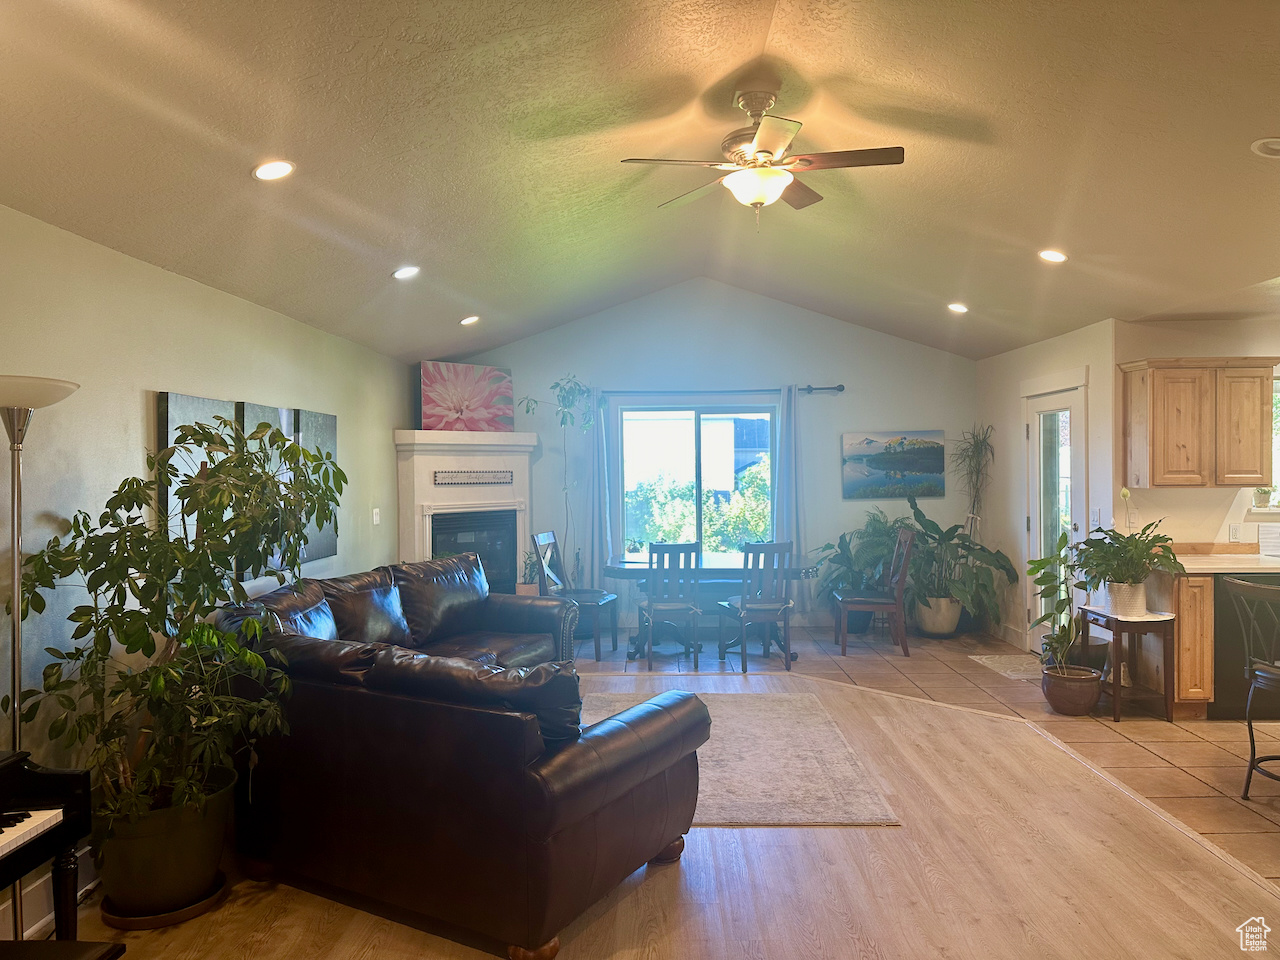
{"x": 481, "y": 140}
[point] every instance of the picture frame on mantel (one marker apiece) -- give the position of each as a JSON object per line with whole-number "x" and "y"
{"x": 466, "y": 397}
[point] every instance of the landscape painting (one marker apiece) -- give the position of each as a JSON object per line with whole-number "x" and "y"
{"x": 883, "y": 465}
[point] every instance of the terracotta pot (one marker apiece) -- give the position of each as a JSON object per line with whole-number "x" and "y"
{"x": 526, "y": 589}
{"x": 1127, "y": 599}
{"x": 1072, "y": 693}
{"x": 939, "y": 618}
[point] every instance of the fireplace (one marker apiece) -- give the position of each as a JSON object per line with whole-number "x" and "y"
{"x": 464, "y": 492}
{"x": 490, "y": 533}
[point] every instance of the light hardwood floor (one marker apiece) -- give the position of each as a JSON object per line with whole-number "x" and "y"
{"x": 1010, "y": 847}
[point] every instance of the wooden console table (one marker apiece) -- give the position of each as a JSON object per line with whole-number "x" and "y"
{"x": 1160, "y": 624}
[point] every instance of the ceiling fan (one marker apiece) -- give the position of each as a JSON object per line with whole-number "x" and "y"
{"x": 759, "y": 171}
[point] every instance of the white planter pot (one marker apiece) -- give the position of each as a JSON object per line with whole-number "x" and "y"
{"x": 940, "y": 617}
{"x": 1127, "y": 599}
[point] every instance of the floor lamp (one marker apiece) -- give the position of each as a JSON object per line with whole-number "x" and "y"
{"x": 20, "y": 397}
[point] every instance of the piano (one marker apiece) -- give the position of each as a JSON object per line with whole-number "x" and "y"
{"x": 44, "y": 814}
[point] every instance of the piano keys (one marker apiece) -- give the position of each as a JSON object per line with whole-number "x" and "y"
{"x": 53, "y": 816}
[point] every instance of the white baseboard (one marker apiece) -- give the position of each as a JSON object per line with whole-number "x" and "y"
{"x": 37, "y": 899}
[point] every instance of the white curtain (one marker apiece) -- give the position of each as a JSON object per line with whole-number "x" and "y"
{"x": 599, "y": 544}
{"x": 790, "y": 494}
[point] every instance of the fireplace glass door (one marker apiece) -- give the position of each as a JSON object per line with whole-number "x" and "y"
{"x": 490, "y": 533}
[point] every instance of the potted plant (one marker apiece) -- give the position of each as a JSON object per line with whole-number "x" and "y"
{"x": 951, "y": 571}
{"x": 1070, "y": 690}
{"x": 528, "y": 585}
{"x": 860, "y": 559}
{"x": 1123, "y": 561}
{"x": 1262, "y": 497}
{"x": 150, "y": 688}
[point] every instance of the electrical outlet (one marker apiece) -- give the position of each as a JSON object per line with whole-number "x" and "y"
{"x": 377, "y": 516}
{"x": 1233, "y": 532}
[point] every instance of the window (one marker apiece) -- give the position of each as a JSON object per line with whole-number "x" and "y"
{"x": 697, "y": 473}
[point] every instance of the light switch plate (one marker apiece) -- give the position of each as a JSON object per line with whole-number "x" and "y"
{"x": 1233, "y": 532}
{"x": 1095, "y": 518}
{"x": 377, "y": 516}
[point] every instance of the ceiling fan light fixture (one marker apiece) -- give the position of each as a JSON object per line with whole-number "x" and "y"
{"x": 758, "y": 186}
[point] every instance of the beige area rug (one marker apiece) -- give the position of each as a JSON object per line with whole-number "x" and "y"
{"x": 773, "y": 759}
{"x": 1016, "y": 667}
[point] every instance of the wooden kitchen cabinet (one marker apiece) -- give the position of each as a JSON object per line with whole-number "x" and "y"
{"x": 1244, "y": 427}
{"x": 1198, "y": 422}
{"x": 1193, "y": 638}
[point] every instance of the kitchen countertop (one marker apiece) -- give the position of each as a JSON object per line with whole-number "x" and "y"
{"x": 1231, "y": 563}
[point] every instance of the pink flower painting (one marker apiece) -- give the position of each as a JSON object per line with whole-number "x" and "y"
{"x": 464, "y": 396}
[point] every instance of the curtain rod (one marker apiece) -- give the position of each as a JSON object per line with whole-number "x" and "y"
{"x": 838, "y": 388}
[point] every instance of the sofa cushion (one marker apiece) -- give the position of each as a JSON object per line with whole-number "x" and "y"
{"x": 335, "y": 661}
{"x": 503, "y": 649}
{"x": 441, "y": 597}
{"x": 366, "y": 607}
{"x": 548, "y": 690}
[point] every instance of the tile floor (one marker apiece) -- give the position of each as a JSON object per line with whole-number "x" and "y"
{"x": 1193, "y": 769}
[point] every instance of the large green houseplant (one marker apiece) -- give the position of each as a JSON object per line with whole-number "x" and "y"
{"x": 1123, "y": 562}
{"x": 147, "y": 687}
{"x": 1070, "y": 690}
{"x": 950, "y": 571}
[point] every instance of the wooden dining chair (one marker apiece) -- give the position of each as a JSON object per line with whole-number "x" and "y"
{"x": 554, "y": 582}
{"x": 883, "y": 602}
{"x": 765, "y": 597}
{"x": 671, "y": 591}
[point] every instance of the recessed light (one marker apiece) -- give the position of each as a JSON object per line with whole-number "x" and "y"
{"x": 1268, "y": 147}
{"x": 273, "y": 170}
{"x": 957, "y": 308}
{"x": 406, "y": 272}
{"x": 1053, "y": 256}
{"x": 468, "y": 321}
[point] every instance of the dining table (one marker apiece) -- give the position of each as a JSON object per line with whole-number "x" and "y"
{"x": 715, "y": 568}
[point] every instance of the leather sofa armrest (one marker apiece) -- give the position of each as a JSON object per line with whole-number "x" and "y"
{"x": 612, "y": 757}
{"x": 510, "y": 613}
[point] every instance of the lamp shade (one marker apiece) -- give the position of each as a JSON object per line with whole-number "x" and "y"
{"x": 758, "y": 185}
{"x": 34, "y": 392}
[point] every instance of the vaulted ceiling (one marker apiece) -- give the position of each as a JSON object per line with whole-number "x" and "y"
{"x": 480, "y": 139}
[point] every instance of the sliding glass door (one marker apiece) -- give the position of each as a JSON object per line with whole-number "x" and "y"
{"x": 697, "y": 473}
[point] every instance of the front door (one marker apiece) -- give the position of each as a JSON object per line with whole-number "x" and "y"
{"x": 1056, "y": 483}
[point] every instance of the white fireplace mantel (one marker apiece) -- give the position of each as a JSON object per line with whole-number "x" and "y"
{"x": 421, "y": 454}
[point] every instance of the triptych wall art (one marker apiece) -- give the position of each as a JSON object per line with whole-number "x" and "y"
{"x": 307, "y": 428}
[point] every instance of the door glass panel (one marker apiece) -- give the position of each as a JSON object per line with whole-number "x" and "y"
{"x": 737, "y": 500}
{"x": 659, "y": 479}
{"x": 1054, "y": 435}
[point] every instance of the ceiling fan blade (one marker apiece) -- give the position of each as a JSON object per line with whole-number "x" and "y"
{"x": 714, "y": 164}
{"x": 876, "y": 157}
{"x": 800, "y": 195}
{"x": 774, "y": 135}
{"x": 693, "y": 194}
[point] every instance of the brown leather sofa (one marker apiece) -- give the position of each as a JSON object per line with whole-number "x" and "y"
{"x": 459, "y": 788}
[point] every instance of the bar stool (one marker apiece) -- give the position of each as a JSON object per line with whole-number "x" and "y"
{"x": 1258, "y": 607}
